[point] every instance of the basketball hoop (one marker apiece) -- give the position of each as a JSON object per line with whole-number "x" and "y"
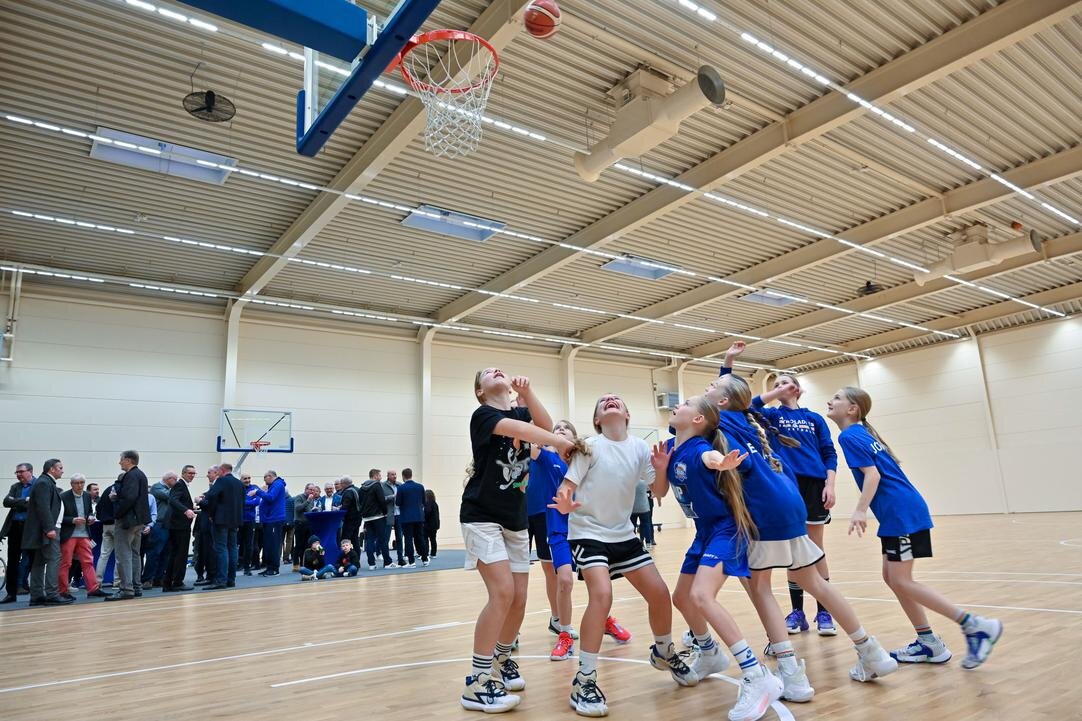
{"x": 457, "y": 68}
{"x": 259, "y": 446}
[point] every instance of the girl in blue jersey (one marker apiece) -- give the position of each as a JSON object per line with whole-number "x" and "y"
{"x": 782, "y": 542}
{"x": 701, "y": 471}
{"x": 549, "y": 527}
{"x": 904, "y": 534}
{"x": 812, "y": 464}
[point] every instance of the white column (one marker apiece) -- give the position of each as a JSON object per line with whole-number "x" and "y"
{"x": 232, "y": 341}
{"x": 567, "y": 378}
{"x": 681, "y": 391}
{"x": 990, "y": 424}
{"x": 424, "y": 341}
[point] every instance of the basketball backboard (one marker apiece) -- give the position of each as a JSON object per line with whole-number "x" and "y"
{"x": 242, "y": 429}
{"x": 338, "y": 29}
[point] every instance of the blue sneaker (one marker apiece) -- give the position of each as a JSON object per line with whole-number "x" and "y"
{"x": 825, "y": 624}
{"x": 925, "y": 649}
{"x": 795, "y": 622}
{"x": 981, "y": 635}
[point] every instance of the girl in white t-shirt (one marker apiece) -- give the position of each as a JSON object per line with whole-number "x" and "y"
{"x": 599, "y": 493}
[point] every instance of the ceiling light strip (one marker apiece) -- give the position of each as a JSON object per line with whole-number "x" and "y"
{"x": 289, "y": 182}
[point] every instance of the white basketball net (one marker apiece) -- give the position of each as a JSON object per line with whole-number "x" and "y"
{"x": 453, "y": 79}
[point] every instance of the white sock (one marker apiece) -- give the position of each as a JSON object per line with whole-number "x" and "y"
{"x": 785, "y": 655}
{"x": 744, "y": 656}
{"x": 587, "y": 662}
{"x": 565, "y": 629}
{"x": 664, "y": 644}
{"x": 859, "y": 637}
{"x": 706, "y": 643}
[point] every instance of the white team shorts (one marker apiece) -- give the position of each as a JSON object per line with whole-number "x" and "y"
{"x": 793, "y": 554}
{"x": 491, "y": 543}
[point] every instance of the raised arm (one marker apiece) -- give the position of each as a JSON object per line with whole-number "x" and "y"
{"x": 735, "y": 350}
{"x": 659, "y": 460}
{"x": 532, "y": 433}
{"x": 540, "y": 415}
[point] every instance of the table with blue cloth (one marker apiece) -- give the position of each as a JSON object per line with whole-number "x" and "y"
{"x": 325, "y": 524}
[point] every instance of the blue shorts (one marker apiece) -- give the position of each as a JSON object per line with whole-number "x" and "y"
{"x": 714, "y": 545}
{"x": 560, "y": 550}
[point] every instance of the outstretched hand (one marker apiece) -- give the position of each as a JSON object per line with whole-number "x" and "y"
{"x": 564, "y": 501}
{"x": 736, "y": 348}
{"x": 724, "y": 462}
{"x": 659, "y": 457}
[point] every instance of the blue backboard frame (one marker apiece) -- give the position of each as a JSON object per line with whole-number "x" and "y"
{"x": 401, "y": 26}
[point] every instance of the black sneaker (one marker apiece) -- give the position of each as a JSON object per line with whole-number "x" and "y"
{"x": 676, "y": 663}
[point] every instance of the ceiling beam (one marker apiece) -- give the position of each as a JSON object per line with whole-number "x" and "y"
{"x": 1051, "y": 249}
{"x": 1054, "y": 168}
{"x": 995, "y": 311}
{"x": 971, "y": 42}
{"x": 393, "y": 136}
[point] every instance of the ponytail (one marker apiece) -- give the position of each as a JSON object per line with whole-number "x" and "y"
{"x": 580, "y": 448}
{"x": 787, "y": 441}
{"x": 767, "y": 450}
{"x": 731, "y": 487}
{"x": 879, "y": 439}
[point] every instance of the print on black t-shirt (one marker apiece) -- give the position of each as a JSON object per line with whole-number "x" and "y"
{"x": 495, "y": 491}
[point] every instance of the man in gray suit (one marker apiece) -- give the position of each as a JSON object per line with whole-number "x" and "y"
{"x": 44, "y": 513}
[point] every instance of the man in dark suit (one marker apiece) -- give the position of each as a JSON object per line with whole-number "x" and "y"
{"x": 17, "y": 500}
{"x": 410, "y": 500}
{"x": 224, "y": 505}
{"x": 42, "y": 533}
{"x": 132, "y": 510}
{"x": 181, "y": 513}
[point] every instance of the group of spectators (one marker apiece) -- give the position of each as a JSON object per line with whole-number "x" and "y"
{"x": 58, "y": 541}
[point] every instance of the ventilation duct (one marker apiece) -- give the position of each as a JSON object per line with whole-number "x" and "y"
{"x": 648, "y": 115}
{"x": 973, "y": 251}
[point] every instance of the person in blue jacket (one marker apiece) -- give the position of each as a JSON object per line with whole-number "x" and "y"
{"x": 782, "y": 542}
{"x": 812, "y": 464}
{"x": 272, "y": 512}
{"x": 904, "y": 534}
{"x": 247, "y": 529}
{"x": 410, "y": 500}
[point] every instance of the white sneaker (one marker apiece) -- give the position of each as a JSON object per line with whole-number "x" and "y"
{"x": 758, "y": 689}
{"x": 410, "y": 565}
{"x": 709, "y": 662}
{"x": 391, "y": 565}
{"x": 586, "y": 697}
{"x": 795, "y": 685}
{"x": 688, "y": 639}
{"x": 308, "y": 578}
{"x": 484, "y": 693}
{"x": 873, "y": 662}
{"x": 923, "y": 651}
{"x": 507, "y": 671}
{"x": 981, "y": 634}
{"x": 371, "y": 568}
{"x": 424, "y": 563}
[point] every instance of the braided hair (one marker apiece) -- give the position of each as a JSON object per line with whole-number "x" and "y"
{"x": 737, "y": 390}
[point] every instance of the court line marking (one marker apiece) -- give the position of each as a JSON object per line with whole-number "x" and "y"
{"x": 266, "y": 652}
{"x": 1067, "y": 542}
{"x": 973, "y": 580}
{"x": 976, "y": 573}
{"x": 784, "y": 714}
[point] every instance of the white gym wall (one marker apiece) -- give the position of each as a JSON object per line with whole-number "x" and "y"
{"x": 92, "y": 378}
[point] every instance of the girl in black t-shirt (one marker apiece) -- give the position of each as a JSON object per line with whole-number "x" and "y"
{"x": 493, "y": 517}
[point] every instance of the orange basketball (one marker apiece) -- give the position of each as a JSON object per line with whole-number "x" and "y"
{"x": 542, "y": 18}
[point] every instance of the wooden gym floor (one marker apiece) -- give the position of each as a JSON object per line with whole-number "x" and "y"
{"x": 397, "y": 647}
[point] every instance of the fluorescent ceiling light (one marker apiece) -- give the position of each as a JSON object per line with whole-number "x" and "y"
{"x": 450, "y": 222}
{"x": 158, "y": 156}
{"x": 638, "y": 267}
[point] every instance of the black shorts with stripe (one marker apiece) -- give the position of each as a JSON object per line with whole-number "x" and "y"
{"x": 811, "y": 490}
{"x": 620, "y": 558}
{"x": 906, "y": 548}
